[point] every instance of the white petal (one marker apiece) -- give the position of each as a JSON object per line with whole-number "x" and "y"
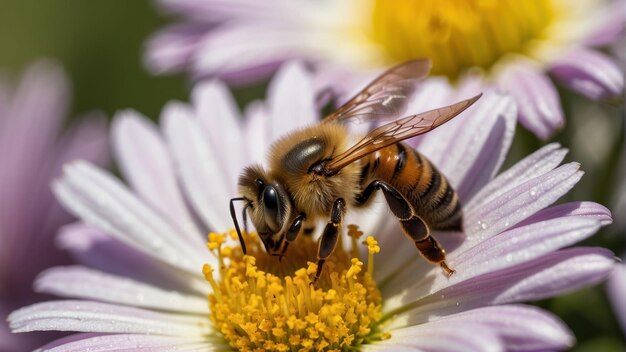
{"x": 93, "y": 248}
{"x": 82, "y": 282}
{"x": 103, "y": 201}
{"x": 198, "y": 165}
{"x": 482, "y": 222}
{"x": 450, "y": 335}
{"x": 128, "y": 342}
{"x": 217, "y": 112}
{"x": 553, "y": 274}
{"x": 257, "y": 132}
{"x": 519, "y": 327}
{"x": 508, "y": 249}
{"x": 520, "y": 245}
{"x": 536, "y": 164}
{"x": 87, "y": 316}
{"x": 145, "y": 161}
{"x": 291, "y": 100}
{"x": 522, "y": 327}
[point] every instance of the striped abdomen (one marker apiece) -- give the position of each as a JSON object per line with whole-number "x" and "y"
{"x": 415, "y": 177}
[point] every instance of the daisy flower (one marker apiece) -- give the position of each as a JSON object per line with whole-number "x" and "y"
{"x": 518, "y": 46}
{"x": 154, "y": 285}
{"x": 32, "y": 150}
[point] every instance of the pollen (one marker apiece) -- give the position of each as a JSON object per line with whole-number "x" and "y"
{"x": 457, "y": 34}
{"x": 262, "y": 303}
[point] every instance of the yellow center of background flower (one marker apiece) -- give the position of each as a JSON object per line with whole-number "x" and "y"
{"x": 458, "y": 34}
{"x": 261, "y": 303}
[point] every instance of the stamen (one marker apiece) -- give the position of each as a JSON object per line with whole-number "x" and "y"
{"x": 259, "y": 303}
{"x": 372, "y": 247}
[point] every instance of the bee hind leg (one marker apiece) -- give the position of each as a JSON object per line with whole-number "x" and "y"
{"x": 416, "y": 230}
{"x": 328, "y": 242}
{"x": 413, "y": 227}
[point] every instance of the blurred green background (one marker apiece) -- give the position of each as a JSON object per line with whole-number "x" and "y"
{"x": 100, "y": 45}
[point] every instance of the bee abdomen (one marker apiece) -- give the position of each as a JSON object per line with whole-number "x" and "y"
{"x": 428, "y": 191}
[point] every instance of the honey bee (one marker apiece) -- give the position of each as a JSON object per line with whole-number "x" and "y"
{"x": 313, "y": 173}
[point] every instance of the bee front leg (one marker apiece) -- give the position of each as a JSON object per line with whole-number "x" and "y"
{"x": 331, "y": 233}
{"x": 413, "y": 227}
{"x": 292, "y": 233}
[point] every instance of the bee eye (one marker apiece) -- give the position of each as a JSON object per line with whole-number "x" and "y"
{"x": 271, "y": 204}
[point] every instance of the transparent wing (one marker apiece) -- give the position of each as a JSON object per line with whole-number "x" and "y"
{"x": 397, "y": 131}
{"x": 386, "y": 96}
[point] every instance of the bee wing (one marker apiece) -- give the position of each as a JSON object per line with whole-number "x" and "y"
{"x": 386, "y": 96}
{"x": 397, "y": 131}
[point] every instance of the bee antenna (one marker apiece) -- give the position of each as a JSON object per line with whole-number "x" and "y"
{"x": 234, "y": 216}
{"x": 244, "y": 215}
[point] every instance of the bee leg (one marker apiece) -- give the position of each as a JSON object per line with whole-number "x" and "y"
{"x": 292, "y": 233}
{"x": 328, "y": 242}
{"x": 416, "y": 230}
{"x": 412, "y": 226}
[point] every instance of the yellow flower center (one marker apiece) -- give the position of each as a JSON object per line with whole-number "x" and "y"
{"x": 263, "y": 303}
{"x": 458, "y": 34}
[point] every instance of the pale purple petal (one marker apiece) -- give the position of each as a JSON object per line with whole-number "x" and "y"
{"x": 448, "y": 336}
{"x": 521, "y": 244}
{"x": 172, "y": 48}
{"x": 8, "y": 341}
{"x": 31, "y": 247}
{"x": 85, "y": 140}
{"x": 128, "y": 343}
{"x": 221, "y": 10}
{"x": 256, "y": 131}
{"x": 147, "y": 166}
{"x": 608, "y": 23}
{"x": 291, "y": 100}
{"x": 469, "y": 160}
{"x": 218, "y": 113}
{"x": 198, "y": 166}
{"x": 551, "y": 275}
{"x": 93, "y": 248}
{"x": 508, "y": 249}
{"x": 432, "y": 93}
{"x": 85, "y": 316}
{"x": 536, "y": 164}
{"x": 32, "y": 150}
{"x": 241, "y": 53}
{"x": 521, "y": 328}
{"x": 616, "y": 287}
{"x": 536, "y": 97}
{"x": 590, "y": 73}
{"x": 84, "y": 283}
{"x": 589, "y": 210}
{"x": 103, "y": 201}
{"x": 30, "y": 129}
{"x": 489, "y": 219}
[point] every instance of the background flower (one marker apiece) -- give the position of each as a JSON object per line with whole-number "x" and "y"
{"x": 511, "y": 251}
{"x": 516, "y": 45}
{"x": 31, "y": 154}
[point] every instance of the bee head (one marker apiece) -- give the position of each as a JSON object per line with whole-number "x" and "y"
{"x": 268, "y": 205}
